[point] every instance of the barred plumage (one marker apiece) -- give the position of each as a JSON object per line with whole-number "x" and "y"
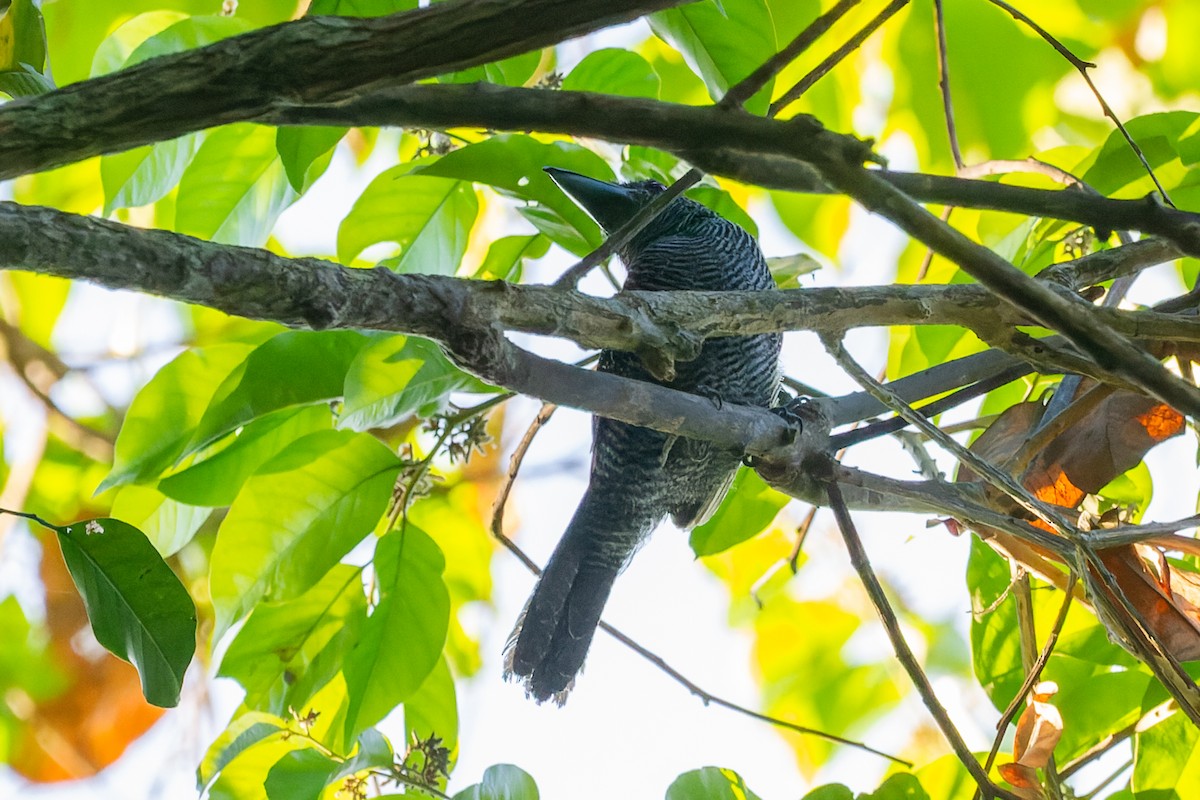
{"x": 639, "y": 476}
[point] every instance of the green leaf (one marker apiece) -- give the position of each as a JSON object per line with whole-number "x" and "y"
{"x": 306, "y": 151}
{"x": 373, "y": 751}
{"x": 244, "y": 777}
{"x": 188, "y": 34}
{"x": 300, "y": 513}
{"x": 167, "y": 523}
{"x": 114, "y": 52}
{"x": 429, "y": 218}
{"x": 359, "y": 8}
{"x": 22, "y": 37}
{"x": 25, "y": 82}
{"x": 280, "y": 640}
{"x": 164, "y": 413}
{"x": 724, "y": 42}
{"x": 138, "y": 609}
{"x": 433, "y": 709}
{"x": 403, "y": 638}
{"x": 901, "y": 786}
{"x": 748, "y": 508}
{"x": 143, "y": 175}
{"x": 613, "y": 71}
{"x": 235, "y": 188}
{"x": 995, "y": 641}
{"x": 397, "y": 376}
{"x": 512, "y": 164}
{"x": 507, "y": 255}
{"x": 513, "y": 71}
{"x": 1166, "y": 759}
{"x": 787, "y": 270}
{"x": 710, "y": 783}
{"x": 216, "y": 480}
{"x": 299, "y": 775}
{"x": 501, "y": 782}
{"x": 830, "y": 791}
{"x": 267, "y": 380}
{"x": 245, "y": 731}
{"x": 26, "y": 663}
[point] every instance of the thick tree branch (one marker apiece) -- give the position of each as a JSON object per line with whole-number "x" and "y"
{"x": 41, "y": 132}
{"x": 311, "y": 59}
{"x": 764, "y": 152}
{"x": 317, "y": 294}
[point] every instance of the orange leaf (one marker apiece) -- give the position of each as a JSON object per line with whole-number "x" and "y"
{"x": 102, "y": 711}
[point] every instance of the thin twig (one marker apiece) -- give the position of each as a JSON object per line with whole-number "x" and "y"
{"x": 1105, "y": 783}
{"x": 752, "y": 83}
{"x": 630, "y": 229}
{"x": 884, "y": 427}
{"x": 1083, "y": 67}
{"x": 819, "y": 71}
{"x": 1001, "y": 480}
{"x": 32, "y": 517}
{"x": 862, "y": 565}
{"x": 939, "y": 25}
{"x": 706, "y": 697}
{"x": 733, "y": 99}
{"x": 514, "y": 466}
{"x": 1034, "y": 674}
{"x": 710, "y": 699}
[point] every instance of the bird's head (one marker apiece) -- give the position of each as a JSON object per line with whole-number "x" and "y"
{"x": 614, "y": 204}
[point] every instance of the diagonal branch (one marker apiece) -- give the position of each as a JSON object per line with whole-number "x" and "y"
{"x": 306, "y": 60}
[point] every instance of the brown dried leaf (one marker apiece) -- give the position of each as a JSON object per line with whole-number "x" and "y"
{"x": 1167, "y": 599}
{"x": 1103, "y": 444}
{"x": 1039, "y": 728}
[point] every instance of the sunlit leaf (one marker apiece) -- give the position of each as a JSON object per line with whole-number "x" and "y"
{"x": 216, "y": 479}
{"x": 724, "y": 41}
{"x": 710, "y": 783}
{"x": 281, "y": 639}
{"x": 512, "y": 164}
{"x": 613, "y": 71}
{"x": 243, "y": 732}
{"x": 748, "y": 508}
{"x": 1166, "y": 758}
{"x": 296, "y": 517}
{"x": 396, "y": 376}
{"x": 428, "y": 217}
{"x": 502, "y": 782}
{"x": 167, "y": 523}
{"x": 265, "y": 382}
{"x": 305, "y": 151}
{"x": 433, "y": 709}
{"x": 360, "y": 8}
{"x": 160, "y": 421}
{"x": 234, "y": 188}
{"x": 22, "y": 37}
{"x": 413, "y": 608}
{"x": 506, "y": 256}
{"x": 299, "y": 775}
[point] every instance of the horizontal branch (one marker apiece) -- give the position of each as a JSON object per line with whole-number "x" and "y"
{"x": 771, "y": 153}
{"x": 313, "y": 59}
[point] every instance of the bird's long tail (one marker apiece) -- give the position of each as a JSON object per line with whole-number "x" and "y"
{"x": 551, "y": 638}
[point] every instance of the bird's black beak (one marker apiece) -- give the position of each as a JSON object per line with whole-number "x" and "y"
{"x": 610, "y": 204}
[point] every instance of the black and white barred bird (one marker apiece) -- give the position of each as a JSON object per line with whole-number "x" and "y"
{"x": 639, "y": 476}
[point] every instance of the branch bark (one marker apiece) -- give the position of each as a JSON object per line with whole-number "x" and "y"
{"x": 325, "y": 59}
